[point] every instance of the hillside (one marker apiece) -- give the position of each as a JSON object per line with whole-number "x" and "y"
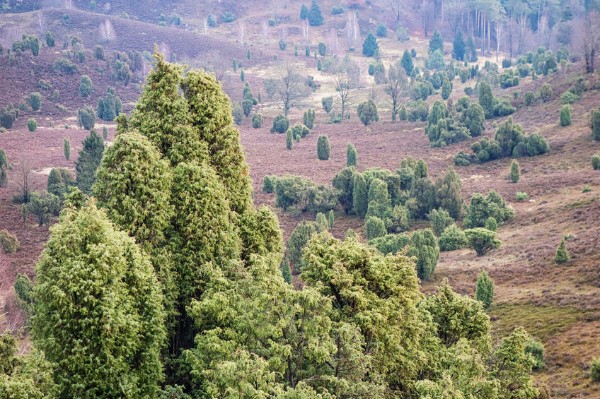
{"x": 557, "y": 304}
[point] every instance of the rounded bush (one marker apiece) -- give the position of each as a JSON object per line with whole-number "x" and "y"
{"x": 32, "y": 125}
{"x": 374, "y": 228}
{"x": 323, "y": 148}
{"x": 565, "y": 115}
{"x": 596, "y": 162}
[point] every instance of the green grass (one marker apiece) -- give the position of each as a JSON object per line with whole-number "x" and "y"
{"x": 543, "y": 322}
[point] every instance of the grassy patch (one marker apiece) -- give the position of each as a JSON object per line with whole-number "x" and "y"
{"x": 543, "y": 322}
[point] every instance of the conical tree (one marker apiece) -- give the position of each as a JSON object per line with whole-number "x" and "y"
{"x": 515, "y": 171}
{"x": 97, "y": 311}
{"x": 351, "y": 156}
{"x": 88, "y": 161}
{"x": 407, "y": 62}
{"x": 484, "y": 289}
{"x": 360, "y": 199}
{"x": 562, "y": 254}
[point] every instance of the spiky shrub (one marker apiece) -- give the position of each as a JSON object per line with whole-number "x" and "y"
{"x": 309, "y": 118}
{"x": 374, "y": 228}
{"x": 105, "y": 133}
{"x": 351, "y": 156}
{"x": 515, "y": 171}
{"x": 257, "y": 121}
{"x": 238, "y": 114}
{"x": 59, "y": 182}
{"x": 367, "y": 112}
{"x": 322, "y": 221}
{"x": 452, "y": 238}
{"x": 43, "y": 206}
{"x": 595, "y": 123}
{"x": 327, "y": 103}
{"x": 323, "y": 148}
{"x": 280, "y": 124}
{"x": 596, "y": 162}
{"x": 482, "y": 207}
{"x": 491, "y": 224}
{"x": 446, "y": 89}
{"x": 370, "y": 46}
{"x": 86, "y": 118}
{"x": 109, "y": 106}
{"x": 425, "y": 248}
{"x": 484, "y": 289}
{"x": 9, "y": 242}
{"x": 562, "y": 254}
{"x": 565, "y": 115}
{"x": 286, "y": 271}
{"x": 121, "y": 294}
{"x": 331, "y": 218}
{"x": 85, "y": 86}
{"x": 486, "y": 99}
{"x": 343, "y": 182}
{"x": 31, "y": 124}
{"x": 67, "y": 148}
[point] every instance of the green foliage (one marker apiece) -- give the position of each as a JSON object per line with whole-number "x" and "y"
{"x": 286, "y": 271}
{"x": 565, "y": 115}
{"x": 435, "y": 61}
{"x": 425, "y": 248}
{"x": 482, "y": 240}
{"x": 86, "y": 118}
{"x": 88, "y": 161}
{"x": 64, "y": 65}
{"x": 28, "y": 42}
{"x": 322, "y": 49}
{"x": 595, "y": 370}
{"x": 436, "y": 43}
{"x": 85, "y": 86}
{"x": 536, "y": 349}
{"x": 562, "y": 254}
{"x": 109, "y": 106}
{"x": 459, "y": 47}
{"x": 521, "y": 196}
{"x": 448, "y": 194}
{"x": 97, "y": 311}
{"x": 360, "y": 195}
{"x": 60, "y": 182}
{"x": 491, "y": 224}
{"x": 9, "y": 242}
{"x": 440, "y": 219}
{"x": 452, "y": 238}
{"x": 484, "y": 289}
{"x": 67, "y": 148}
{"x": 568, "y": 97}
{"x": 133, "y": 185}
{"x": 446, "y": 89}
{"x": 486, "y": 99}
{"x": 43, "y": 206}
{"x": 309, "y": 118}
{"x": 482, "y": 207}
{"x": 299, "y": 238}
{"x": 269, "y": 182}
{"x": 596, "y": 162}
{"x": 381, "y": 30}
{"x": 367, "y": 112}
{"x": 595, "y": 124}
{"x": 351, "y": 156}
{"x": 31, "y": 124}
{"x": 515, "y": 171}
{"x": 331, "y": 218}
{"x": 315, "y": 17}
{"x": 280, "y": 124}
{"x": 407, "y": 62}
{"x": 323, "y": 148}
{"x": 374, "y": 227}
{"x": 370, "y": 46}
{"x": 303, "y": 12}
{"x": 322, "y": 222}
{"x": 456, "y": 317}
{"x": 35, "y": 101}
{"x": 238, "y": 114}
{"x": 99, "y": 52}
{"x": 509, "y": 135}
{"x": 50, "y": 41}
{"x": 546, "y": 92}
{"x": 327, "y": 103}
{"x": 289, "y": 139}
{"x": 28, "y": 376}
{"x": 512, "y": 367}
{"x": 344, "y": 183}
{"x": 257, "y": 121}
{"x": 8, "y": 115}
